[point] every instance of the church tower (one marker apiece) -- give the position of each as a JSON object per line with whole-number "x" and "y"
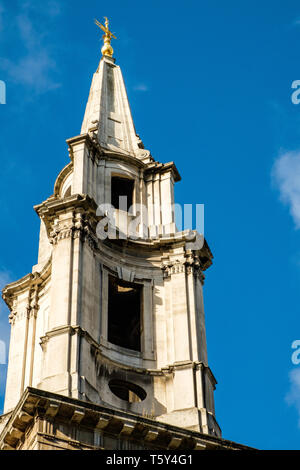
{"x": 111, "y": 318}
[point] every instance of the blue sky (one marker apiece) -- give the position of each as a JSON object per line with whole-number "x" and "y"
{"x": 210, "y": 88}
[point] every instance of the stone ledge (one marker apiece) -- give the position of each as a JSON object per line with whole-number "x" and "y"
{"x": 49, "y": 407}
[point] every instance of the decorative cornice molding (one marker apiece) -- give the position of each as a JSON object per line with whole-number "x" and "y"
{"x": 32, "y": 281}
{"x": 173, "y": 267}
{"x": 56, "y": 332}
{"x": 80, "y": 228}
{"x": 189, "y": 265}
{"x": 85, "y": 139}
{"x": 81, "y": 222}
{"x": 39, "y": 404}
{"x": 157, "y": 167}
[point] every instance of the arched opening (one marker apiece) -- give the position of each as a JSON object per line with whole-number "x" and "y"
{"x": 127, "y": 391}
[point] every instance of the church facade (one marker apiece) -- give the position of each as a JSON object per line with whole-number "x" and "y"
{"x": 108, "y": 345}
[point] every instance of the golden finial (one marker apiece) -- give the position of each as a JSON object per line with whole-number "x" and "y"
{"x": 106, "y": 49}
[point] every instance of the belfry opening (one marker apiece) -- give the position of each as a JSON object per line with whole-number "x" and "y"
{"x": 124, "y": 313}
{"x": 121, "y": 188}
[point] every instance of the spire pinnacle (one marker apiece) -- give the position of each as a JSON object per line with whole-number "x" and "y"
{"x": 106, "y": 50}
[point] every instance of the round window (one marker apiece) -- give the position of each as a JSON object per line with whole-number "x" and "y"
{"x": 127, "y": 391}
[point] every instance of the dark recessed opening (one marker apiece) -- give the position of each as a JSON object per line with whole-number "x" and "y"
{"x": 124, "y": 313}
{"x": 127, "y": 391}
{"x": 121, "y": 187}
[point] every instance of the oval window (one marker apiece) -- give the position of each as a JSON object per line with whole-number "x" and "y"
{"x": 127, "y": 391}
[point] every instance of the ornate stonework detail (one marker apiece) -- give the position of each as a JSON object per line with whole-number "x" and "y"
{"x": 144, "y": 155}
{"x": 169, "y": 268}
{"x": 17, "y": 316}
{"x": 48, "y": 410}
{"x": 194, "y": 266}
{"x": 33, "y": 306}
{"x": 191, "y": 265}
{"x": 60, "y": 233}
{"x": 80, "y": 228}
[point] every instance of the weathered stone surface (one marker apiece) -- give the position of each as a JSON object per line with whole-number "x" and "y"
{"x": 60, "y": 312}
{"x": 102, "y": 428}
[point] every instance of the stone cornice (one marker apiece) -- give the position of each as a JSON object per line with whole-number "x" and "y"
{"x": 79, "y": 139}
{"x": 41, "y": 405}
{"x": 97, "y": 152}
{"x": 52, "y": 206}
{"x": 177, "y": 239}
{"x": 30, "y": 281}
{"x": 156, "y": 167}
{"x": 127, "y": 158}
{"x": 98, "y": 351}
{"x": 82, "y": 221}
{"x": 141, "y": 158}
{"x": 158, "y": 256}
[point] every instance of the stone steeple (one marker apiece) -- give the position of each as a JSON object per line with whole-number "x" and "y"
{"x": 108, "y": 112}
{"x": 114, "y": 322}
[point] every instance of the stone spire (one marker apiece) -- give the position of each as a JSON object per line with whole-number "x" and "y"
{"x": 108, "y": 112}
{"x": 120, "y": 322}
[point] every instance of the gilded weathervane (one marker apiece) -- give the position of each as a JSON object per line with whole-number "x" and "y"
{"x": 106, "y": 49}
